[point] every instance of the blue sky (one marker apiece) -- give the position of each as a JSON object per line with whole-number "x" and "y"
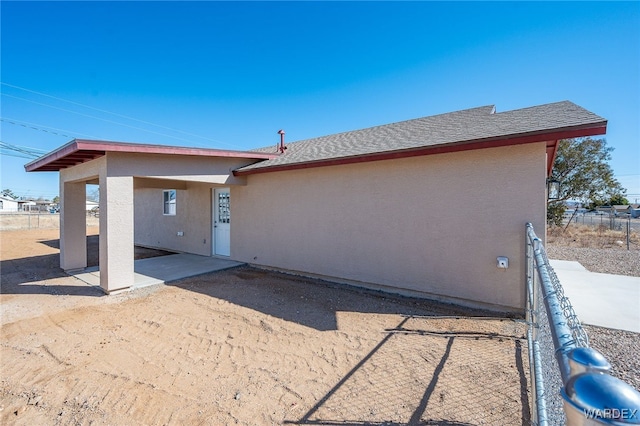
{"x": 230, "y": 75}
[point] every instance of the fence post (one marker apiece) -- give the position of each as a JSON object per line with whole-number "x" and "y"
{"x": 539, "y": 412}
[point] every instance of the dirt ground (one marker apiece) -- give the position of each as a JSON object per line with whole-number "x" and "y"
{"x": 244, "y": 346}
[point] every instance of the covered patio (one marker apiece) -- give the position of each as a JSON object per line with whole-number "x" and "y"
{"x": 163, "y": 269}
{"x": 121, "y": 170}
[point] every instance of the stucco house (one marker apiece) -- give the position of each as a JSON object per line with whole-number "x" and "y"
{"x": 8, "y": 204}
{"x": 370, "y": 207}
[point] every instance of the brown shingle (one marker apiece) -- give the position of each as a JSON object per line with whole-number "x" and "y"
{"x": 476, "y": 124}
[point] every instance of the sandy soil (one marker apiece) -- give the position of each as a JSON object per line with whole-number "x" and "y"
{"x": 244, "y": 346}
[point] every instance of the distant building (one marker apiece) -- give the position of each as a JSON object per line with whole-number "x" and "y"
{"x": 90, "y": 205}
{"x": 8, "y": 204}
{"x": 634, "y": 210}
{"x": 35, "y": 205}
{"x": 605, "y": 210}
{"x": 621, "y": 209}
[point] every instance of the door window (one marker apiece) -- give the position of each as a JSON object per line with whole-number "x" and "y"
{"x": 223, "y": 208}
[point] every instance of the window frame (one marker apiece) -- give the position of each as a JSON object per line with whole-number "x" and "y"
{"x": 167, "y": 202}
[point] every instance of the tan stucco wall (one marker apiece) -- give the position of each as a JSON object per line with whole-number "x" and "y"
{"x": 73, "y": 216}
{"x": 132, "y": 183}
{"x": 116, "y": 231}
{"x": 73, "y": 229}
{"x": 433, "y": 224}
{"x": 193, "y": 218}
{"x": 116, "y": 221}
{"x": 212, "y": 170}
{"x": 192, "y": 177}
{"x": 85, "y": 171}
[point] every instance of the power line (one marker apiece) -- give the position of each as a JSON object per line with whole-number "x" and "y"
{"x": 41, "y": 127}
{"x": 114, "y": 114}
{"x": 96, "y": 118}
{"x": 10, "y": 154}
{"x": 20, "y": 151}
{"x": 107, "y": 112}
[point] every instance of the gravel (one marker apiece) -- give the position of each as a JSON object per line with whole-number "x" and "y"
{"x": 607, "y": 260}
{"x": 621, "y": 348}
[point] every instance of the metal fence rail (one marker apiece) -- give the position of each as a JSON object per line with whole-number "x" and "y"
{"x": 576, "y": 389}
{"x": 614, "y": 223}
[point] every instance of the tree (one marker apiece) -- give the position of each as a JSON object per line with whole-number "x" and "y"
{"x": 56, "y": 200}
{"x": 581, "y": 166}
{"x": 9, "y": 193}
{"x": 93, "y": 194}
{"x": 617, "y": 200}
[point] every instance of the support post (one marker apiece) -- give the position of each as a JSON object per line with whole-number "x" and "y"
{"x": 116, "y": 233}
{"x": 73, "y": 225}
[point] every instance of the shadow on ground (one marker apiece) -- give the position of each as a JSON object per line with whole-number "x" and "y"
{"x": 288, "y": 297}
{"x": 452, "y": 357}
{"x": 39, "y": 274}
{"x": 375, "y": 391}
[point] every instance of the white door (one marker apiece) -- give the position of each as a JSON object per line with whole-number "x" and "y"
{"x": 221, "y": 222}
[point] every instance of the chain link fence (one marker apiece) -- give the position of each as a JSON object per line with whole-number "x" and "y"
{"x": 604, "y": 221}
{"x": 36, "y": 220}
{"x": 555, "y": 332}
{"x": 434, "y": 371}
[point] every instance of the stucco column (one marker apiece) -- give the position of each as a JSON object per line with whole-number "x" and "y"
{"x": 73, "y": 225}
{"x": 116, "y": 232}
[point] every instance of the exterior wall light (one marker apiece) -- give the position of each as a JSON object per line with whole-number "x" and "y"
{"x": 553, "y": 189}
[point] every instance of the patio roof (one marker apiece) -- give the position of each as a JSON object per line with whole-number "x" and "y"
{"x": 80, "y": 150}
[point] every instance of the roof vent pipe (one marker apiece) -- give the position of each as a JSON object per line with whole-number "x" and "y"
{"x": 281, "y": 148}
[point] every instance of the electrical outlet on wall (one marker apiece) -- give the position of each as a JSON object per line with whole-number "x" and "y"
{"x": 503, "y": 262}
{"x": 180, "y": 233}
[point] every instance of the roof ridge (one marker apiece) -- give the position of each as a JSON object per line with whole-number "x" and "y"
{"x": 539, "y": 106}
{"x": 467, "y": 110}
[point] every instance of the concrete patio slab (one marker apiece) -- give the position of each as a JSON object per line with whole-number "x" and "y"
{"x": 164, "y": 269}
{"x": 605, "y": 300}
{"x": 567, "y": 265}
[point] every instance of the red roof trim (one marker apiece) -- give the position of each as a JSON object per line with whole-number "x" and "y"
{"x": 80, "y": 150}
{"x": 551, "y": 137}
{"x": 552, "y": 150}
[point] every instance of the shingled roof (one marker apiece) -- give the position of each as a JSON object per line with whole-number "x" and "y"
{"x": 474, "y": 128}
